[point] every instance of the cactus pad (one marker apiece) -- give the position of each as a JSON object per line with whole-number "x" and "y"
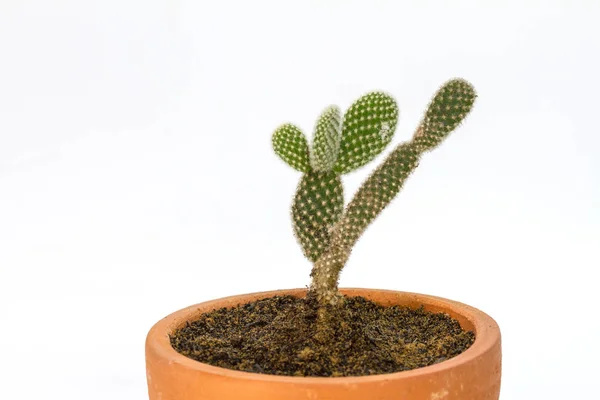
{"x": 377, "y": 192}
{"x": 326, "y": 140}
{"x": 368, "y": 127}
{"x": 317, "y": 206}
{"x": 291, "y": 146}
{"x": 447, "y": 109}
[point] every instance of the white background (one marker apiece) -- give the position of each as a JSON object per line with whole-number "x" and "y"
{"x": 137, "y": 175}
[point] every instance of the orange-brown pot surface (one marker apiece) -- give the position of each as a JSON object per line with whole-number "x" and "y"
{"x": 472, "y": 375}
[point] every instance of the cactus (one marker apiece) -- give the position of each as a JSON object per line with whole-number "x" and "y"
{"x": 326, "y": 231}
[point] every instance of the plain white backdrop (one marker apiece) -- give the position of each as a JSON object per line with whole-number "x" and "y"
{"x": 137, "y": 175}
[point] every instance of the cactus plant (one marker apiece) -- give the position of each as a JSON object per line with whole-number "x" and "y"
{"x": 325, "y": 229}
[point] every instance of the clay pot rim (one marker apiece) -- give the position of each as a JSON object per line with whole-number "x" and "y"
{"x": 487, "y": 335}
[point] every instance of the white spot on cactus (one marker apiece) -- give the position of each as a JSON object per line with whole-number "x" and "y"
{"x": 385, "y": 131}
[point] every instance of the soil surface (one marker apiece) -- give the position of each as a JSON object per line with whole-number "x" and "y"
{"x": 277, "y": 336}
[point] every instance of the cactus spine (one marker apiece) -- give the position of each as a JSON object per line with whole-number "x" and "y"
{"x": 326, "y": 231}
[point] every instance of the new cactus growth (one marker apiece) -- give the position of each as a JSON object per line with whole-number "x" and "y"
{"x": 325, "y": 229}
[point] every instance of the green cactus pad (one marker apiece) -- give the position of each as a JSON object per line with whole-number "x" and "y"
{"x": 326, "y": 140}
{"x": 368, "y": 127}
{"x": 447, "y": 109}
{"x": 317, "y": 206}
{"x": 291, "y": 146}
{"x": 377, "y": 192}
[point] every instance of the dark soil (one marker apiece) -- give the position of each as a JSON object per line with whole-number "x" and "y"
{"x": 277, "y": 336}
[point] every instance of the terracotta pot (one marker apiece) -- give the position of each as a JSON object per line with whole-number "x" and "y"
{"x": 472, "y": 375}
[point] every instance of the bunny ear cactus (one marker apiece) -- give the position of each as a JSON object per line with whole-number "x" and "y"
{"x": 327, "y": 231}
